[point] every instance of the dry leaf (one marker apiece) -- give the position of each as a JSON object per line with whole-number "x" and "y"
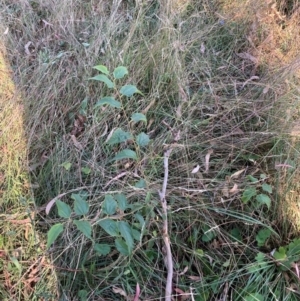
{"x": 76, "y": 143}
{"x": 105, "y": 130}
{"x": 119, "y": 291}
{"x": 202, "y": 49}
{"x": 182, "y": 295}
{"x": 266, "y": 89}
{"x": 137, "y": 292}
{"x": 196, "y": 169}
{"x": 110, "y": 134}
{"x": 225, "y": 190}
{"x": 195, "y": 278}
{"x": 27, "y": 48}
{"x": 237, "y": 173}
{"x": 249, "y": 80}
{"x": 248, "y": 56}
{"x": 207, "y": 157}
{"x": 184, "y": 271}
{"x": 234, "y": 189}
{"x": 177, "y": 136}
{"x": 178, "y": 111}
{"x": 6, "y": 31}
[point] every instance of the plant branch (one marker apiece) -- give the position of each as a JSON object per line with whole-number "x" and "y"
{"x": 165, "y": 233}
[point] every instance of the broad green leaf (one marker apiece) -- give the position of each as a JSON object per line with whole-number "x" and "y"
{"x": 263, "y": 199}
{"x": 64, "y": 210}
{"x": 252, "y": 179}
{"x": 102, "y": 69}
{"x": 280, "y": 254}
{"x": 102, "y": 249}
{"x": 84, "y": 227}
{"x": 208, "y": 235}
{"x": 108, "y": 101}
{"x": 120, "y": 72}
{"x": 136, "y": 234}
{"x": 136, "y": 117}
{"x": 122, "y": 201}
{"x": 140, "y": 184}
{"x": 236, "y": 234}
{"x": 103, "y": 78}
{"x": 129, "y": 90}
{"x": 81, "y": 207}
{"x": 267, "y": 188}
{"x": 142, "y": 139}
{"x": 125, "y": 154}
{"x": 140, "y": 218}
{"x": 122, "y": 246}
{"x": 110, "y": 227}
{"x": 126, "y": 233}
{"x": 66, "y": 165}
{"x": 262, "y": 236}
{"x": 248, "y": 194}
{"x": 86, "y": 170}
{"x": 294, "y": 248}
{"x": 109, "y": 205}
{"x": 53, "y": 233}
{"x": 119, "y": 136}
{"x": 83, "y": 295}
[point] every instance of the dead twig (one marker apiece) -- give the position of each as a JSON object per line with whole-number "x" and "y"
{"x": 165, "y": 233}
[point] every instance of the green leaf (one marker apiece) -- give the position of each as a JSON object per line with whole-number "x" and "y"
{"x": 136, "y": 234}
{"x": 262, "y": 236}
{"x": 53, "y": 233}
{"x": 102, "y": 69}
{"x": 142, "y": 139}
{"x": 129, "y": 90}
{"x": 102, "y": 249}
{"x": 254, "y": 297}
{"x": 119, "y": 136}
{"x": 109, "y": 206}
{"x": 140, "y": 184}
{"x": 120, "y": 72}
{"x": 140, "y": 218}
{"x": 126, "y": 233}
{"x": 86, "y": 170}
{"x": 83, "y": 295}
{"x": 103, "y": 78}
{"x": 280, "y": 254}
{"x": 125, "y": 154}
{"x": 236, "y": 234}
{"x": 252, "y": 179}
{"x": 294, "y": 248}
{"x": 136, "y": 117}
{"x": 64, "y": 210}
{"x": 81, "y": 207}
{"x": 122, "y": 246}
{"x": 109, "y": 226}
{"x": 84, "y": 227}
{"x": 16, "y": 263}
{"x": 208, "y": 234}
{"x": 66, "y": 165}
{"x": 267, "y": 188}
{"x": 122, "y": 201}
{"x": 108, "y": 101}
{"x": 248, "y": 194}
{"x": 263, "y": 199}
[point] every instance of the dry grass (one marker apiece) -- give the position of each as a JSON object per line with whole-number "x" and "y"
{"x": 224, "y": 75}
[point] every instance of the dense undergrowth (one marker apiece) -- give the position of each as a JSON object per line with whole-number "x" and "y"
{"x": 223, "y": 77}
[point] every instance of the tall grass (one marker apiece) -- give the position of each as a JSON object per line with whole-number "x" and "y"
{"x": 225, "y": 76}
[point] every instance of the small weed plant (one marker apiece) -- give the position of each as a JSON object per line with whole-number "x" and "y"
{"x": 113, "y": 205}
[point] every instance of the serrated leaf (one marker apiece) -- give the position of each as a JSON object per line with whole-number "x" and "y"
{"x": 136, "y": 117}
{"x": 129, "y": 90}
{"x": 140, "y": 218}
{"x": 53, "y": 233}
{"x": 102, "y": 69}
{"x": 280, "y": 254}
{"x": 263, "y": 199}
{"x": 109, "y": 100}
{"x": 125, "y": 154}
{"x": 120, "y": 72}
{"x": 140, "y": 184}
{"x": 262, "y": 236}
{"x": 142, "y": 139}
{"x": 81, "y": 207}
{"x": 66, "y": 165}
{"x": 248, "y": 194}
{"x": 267, "y": 188}
{"x": 125, "y": 231}
{"x": 122, "y": 246}
{"x": 109, "y": 226}
{"x": 84, "y": 227}
{"x": 109, "y": 205}
{"x": 102, "y": 249}
{"x": 64, "y": 210}
{"x": 119, "y": 136}
{"x": 122, "y": 201}
{"x": 103, "y": 78}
